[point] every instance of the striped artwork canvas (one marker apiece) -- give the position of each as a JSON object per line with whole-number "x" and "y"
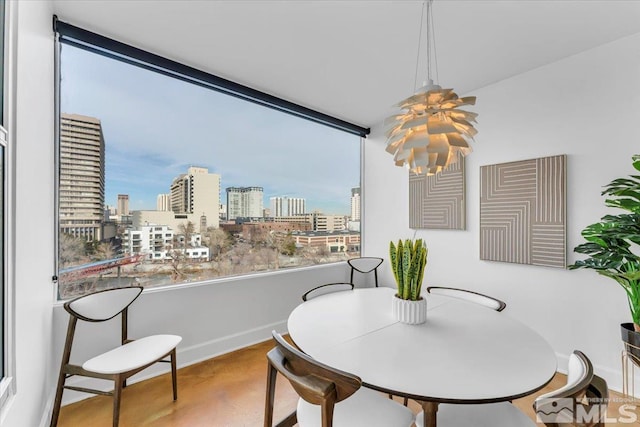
{"x": 437, "y": 201}
{"x": 523, "y": 212}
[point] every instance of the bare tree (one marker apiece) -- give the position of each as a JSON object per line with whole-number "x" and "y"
{"x": 177, "y": 261}
{"x": 281, "y": 244}
{"x": 104, "y": 251}
{"x": 186, "y": 229}
{"x": 72, "y": 250}
{"x": 274, "y": 242}
{"x": 217, "y": 240}
{"x": 315, "y": 255}
{"x": 258, "y": 235}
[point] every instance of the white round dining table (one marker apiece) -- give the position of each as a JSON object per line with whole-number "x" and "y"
{"x": 464, "y": 353}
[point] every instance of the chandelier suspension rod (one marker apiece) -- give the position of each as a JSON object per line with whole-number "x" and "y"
{"x": 432, "y": 26}
{"x": 415, "y": 80}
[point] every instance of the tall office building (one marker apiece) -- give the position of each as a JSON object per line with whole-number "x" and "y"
{"x": 287, "y": 206}
{"x": 123, "y": 204}
{"x": 244, "y": 202}
{"x": 163, "y": 202}
{"x": 196, "y": 193}
{"x": 355, "y": 204}
{"x": 81, "y": 176}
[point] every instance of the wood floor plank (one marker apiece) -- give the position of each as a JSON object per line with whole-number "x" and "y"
{"x": 226, "y": 391}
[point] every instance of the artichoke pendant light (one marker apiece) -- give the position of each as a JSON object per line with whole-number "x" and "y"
{"x": 431, "y": 131}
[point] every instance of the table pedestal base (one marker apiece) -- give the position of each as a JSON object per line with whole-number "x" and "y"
{"x": 430, "y": 413}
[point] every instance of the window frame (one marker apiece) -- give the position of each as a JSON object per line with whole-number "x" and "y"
{"x": 7, "y": 103}
{"x": 95, "y": 43}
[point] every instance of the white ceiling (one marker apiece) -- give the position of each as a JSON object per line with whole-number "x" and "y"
{"x": 355, "y": 59}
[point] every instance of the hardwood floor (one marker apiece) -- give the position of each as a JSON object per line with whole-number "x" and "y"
{"x": 227, "y": 391}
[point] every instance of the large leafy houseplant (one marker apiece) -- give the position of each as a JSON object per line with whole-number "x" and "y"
{"x": 408, "y": 261}
{"x": 612, "y": 243}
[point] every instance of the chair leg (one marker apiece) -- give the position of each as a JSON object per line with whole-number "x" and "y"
{"x": 58, "y": 399}
{"x": 117, "y": 395}
{"x": 405, "y": 401}
{"x": 271, "y": 388}
{"x": 327, "y": 413}
{"x": 66, "y": 355}
{"x": 174, "y": 376}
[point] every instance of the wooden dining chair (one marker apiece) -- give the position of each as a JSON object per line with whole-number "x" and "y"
{"x": 478, "y": 298}
{"x": 581, "y": 383}
{"x": 365, "y": 265}
{"x": 131, "y": 357}
{"x": 328, "y": 397}
{"x": 326, "y": 289}
{"x": 584, "y": 396}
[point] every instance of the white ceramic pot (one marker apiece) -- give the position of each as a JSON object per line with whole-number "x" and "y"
{"x": 410, "y": 312}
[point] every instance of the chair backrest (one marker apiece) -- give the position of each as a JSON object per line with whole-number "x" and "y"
{"x": 485, "y": 300}
{"x": 581, "y": 402}
{"x": 103, "y": 305}
{"x": 365, "y": 265}
{"x": 326, "y": 289}
{"x": 314, "y": 382}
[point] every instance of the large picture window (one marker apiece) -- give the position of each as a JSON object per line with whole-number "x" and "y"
{"x": 164, "y": 181}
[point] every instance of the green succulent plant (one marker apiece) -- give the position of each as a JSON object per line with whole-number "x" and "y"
{"x": 408, "y": 261}
{"x": 611, "y": 242}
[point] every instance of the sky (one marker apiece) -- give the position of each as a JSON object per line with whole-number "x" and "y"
{"x": 155, "y": 127}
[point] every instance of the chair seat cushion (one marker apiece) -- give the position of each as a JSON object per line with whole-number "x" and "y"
{"x": 485, "y": 415}
{"x": 133, "y": 355}
{"x": 364, "y": 408}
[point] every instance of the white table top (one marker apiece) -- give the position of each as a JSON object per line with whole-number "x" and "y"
{"x": 464, "y": 353}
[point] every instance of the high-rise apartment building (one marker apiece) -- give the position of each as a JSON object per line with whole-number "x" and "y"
{"x": 355, "y": 204}
{"x": 244, "y": 202}
{"x": 163, "y": 202}
{"x": 196, "y": 193}
{"x": 81, "y": 176}
{"x": 123, "y": 204}
{"x": 287, "y": 206}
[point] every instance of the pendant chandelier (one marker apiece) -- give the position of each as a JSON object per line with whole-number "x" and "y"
{"x": 431, "y": 131}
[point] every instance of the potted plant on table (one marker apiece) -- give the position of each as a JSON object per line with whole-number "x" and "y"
{"x": 408, "y": 262}
{"x": 611, "y": 244}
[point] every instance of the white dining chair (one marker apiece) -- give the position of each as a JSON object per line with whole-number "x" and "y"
{"x": 129, "y": 358}
{"x": 581, "y": 381}
{"x": 328, "y": 397}
{"x": 327, "y": 288}
{"x": 478, "y": 298}
{"x": 365, "y": 265}
{"x": 587, "y": 392}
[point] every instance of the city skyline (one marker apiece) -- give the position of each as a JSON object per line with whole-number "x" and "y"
{"x": 119, "y": 196}
{"x": 155, "y": 127}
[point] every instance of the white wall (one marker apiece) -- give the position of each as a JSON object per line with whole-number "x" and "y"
{"x": 33, "y": 251}
{"x": 212, "y": 318}
{"x": 586, "y": 106}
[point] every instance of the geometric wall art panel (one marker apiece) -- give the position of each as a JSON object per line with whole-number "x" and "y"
{"x": 437, "y": 201}
{"x": 523, "y": 212}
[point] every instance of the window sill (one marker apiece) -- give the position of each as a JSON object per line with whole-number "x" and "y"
{"x": 227, "y": 279}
